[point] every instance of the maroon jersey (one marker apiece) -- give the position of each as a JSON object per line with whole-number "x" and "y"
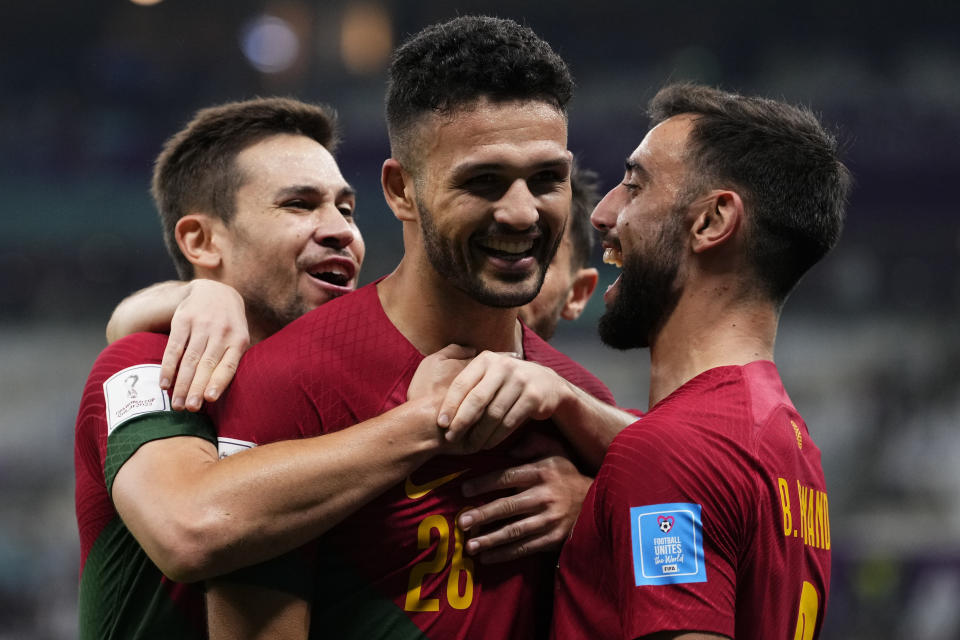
{"x": 122, "y": 593}
{"x": 709, "y": 514}
{"x": 397, "y": 567}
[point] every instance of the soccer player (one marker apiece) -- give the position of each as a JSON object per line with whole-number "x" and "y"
{"x": 479, "y": 178}
{"x": 249, "y": 195}
{"x": 709, "y": 516}
{"x": 570, "y": 280}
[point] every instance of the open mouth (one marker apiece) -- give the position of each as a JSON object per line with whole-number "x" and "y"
{"x": 332, "y": 277}
{"x": 336, "y": 272}
{"x": 613, "y": 256}
{"x": 507, "y": 248}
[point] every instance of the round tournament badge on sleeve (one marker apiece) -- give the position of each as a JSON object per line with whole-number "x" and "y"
{"x": 132, "y": 392}
{"x": 667, "y": 544}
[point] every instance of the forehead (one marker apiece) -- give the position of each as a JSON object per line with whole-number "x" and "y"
{"x": 283, "y": 159}
{"x": 513, "y": 132}
{"x": 662, "y": 151}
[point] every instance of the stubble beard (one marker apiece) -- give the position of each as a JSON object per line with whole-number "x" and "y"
{"x": 442, "y": 257}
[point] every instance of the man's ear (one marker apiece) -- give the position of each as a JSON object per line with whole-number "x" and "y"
{"x": 584, "y": 283}
{"x": 398, "y": 190}
{"x": 198, "y": 236}
{"x": 720, "y": 216}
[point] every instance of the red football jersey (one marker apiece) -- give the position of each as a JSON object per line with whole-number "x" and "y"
{"x": 708, "y": 514}
{"x": 122, "y": 593}
{"x": 396, "y": 568}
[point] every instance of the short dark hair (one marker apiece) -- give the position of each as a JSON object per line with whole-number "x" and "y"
{"x": 785, "y": 166}
{"x": 586, "y": 193}
{"x": 196, "y": 171}
{"x": 455, "y": 63}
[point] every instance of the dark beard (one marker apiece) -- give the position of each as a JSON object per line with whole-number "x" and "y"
{"x": 442, "y": 259}
{"x": 647, "y": 296}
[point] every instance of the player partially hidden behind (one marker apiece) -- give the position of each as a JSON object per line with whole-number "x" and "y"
{"x": 570, "y": 280}
{"x": 709, "y": 516}
{"x": 250, "y": 196}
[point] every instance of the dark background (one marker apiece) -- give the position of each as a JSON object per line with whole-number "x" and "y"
{"x": 868, "y": 346}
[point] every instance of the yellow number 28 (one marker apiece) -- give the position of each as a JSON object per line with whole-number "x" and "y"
{"x": 458, "y": 597}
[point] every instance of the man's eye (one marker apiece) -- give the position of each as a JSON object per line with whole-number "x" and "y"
{"x": 296, "y": 203}
{"x": 546, "y": 181}
{"x": 346, "y": 212}
{"x": 487, "y": 185}
{"x": 631, "y": 187}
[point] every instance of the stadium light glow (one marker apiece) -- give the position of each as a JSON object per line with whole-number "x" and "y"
{"x": 270, "y": 44}
{"x": 366, "y": 38}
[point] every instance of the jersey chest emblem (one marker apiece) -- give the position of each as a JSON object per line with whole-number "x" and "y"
{"x": 667, "y": 544}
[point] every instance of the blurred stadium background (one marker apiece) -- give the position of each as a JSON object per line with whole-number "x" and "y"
{"x": 869, "y": 345}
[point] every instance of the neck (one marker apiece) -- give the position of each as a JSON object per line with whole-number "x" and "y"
{"x": 705, "y": 333}
{"x": 431, "y": 313}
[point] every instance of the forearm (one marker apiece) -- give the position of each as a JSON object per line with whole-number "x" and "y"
{"x": 197, "y": 517}
{"x": 150, "y": 309}
{"x": 589, "y": 424}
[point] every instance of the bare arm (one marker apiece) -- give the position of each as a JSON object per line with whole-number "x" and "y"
{"x": 149, "y": 309}
{"x": 197, "y": 517}
{"x": 208, "y": 334}
{"x": 240, "y": 612}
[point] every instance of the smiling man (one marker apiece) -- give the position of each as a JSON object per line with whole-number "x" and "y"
{"x": 250, "y": 196}
{"x": 479, "y": 177}
{"x": 709, "y": 517}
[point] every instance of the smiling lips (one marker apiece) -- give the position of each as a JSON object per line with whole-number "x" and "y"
{"x": 613, "y": 256}
{"x": 338, "y": 272}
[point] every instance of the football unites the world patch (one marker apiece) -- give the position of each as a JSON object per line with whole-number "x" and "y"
{"x": 133, "y": 392}
{"x": 667, "y": 544}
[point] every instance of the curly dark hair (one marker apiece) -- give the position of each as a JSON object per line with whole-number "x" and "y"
{"x": 196, "y": 169}
{"x": 781, "y": 161}
{"x": 451, "y": 64}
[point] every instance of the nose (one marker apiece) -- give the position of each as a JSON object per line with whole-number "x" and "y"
{"x": 604, "y": 216}
{"x": 334, "y": 230}
{"x": 518, "y": 207}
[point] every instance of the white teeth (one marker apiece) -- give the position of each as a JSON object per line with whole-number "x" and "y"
{"x": 507, "y": 246}
{"x": 613, "y": 256}
{"x": 333, "y": 268}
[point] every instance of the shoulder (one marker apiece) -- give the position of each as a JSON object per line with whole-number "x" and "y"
{"x": 537, "y": 350}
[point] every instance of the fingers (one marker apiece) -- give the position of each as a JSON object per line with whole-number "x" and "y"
{"x": 206, "y": 366}
{"x": 176, "y": 343}
{"x": 193, "y": 364}
{"x": 519, "y": 536}
{"x": 223, "y": 374}
{"x": 541, "y": 537}
{"x": 513, "y": 478}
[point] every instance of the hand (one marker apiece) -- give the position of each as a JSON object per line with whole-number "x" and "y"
{"x": 538, "y": 517}
{"x": 208, "y": 334}
{"x": 496, "y": 393}
{"x": 438, "y": 370}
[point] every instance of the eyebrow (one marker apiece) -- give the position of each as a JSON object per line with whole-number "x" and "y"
{"x": 307, "y": 189}
{"x": 470, "y": 167}
{"x": 632, "y": 166}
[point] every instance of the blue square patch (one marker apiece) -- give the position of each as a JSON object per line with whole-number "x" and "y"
{"x": 667, "y": 544}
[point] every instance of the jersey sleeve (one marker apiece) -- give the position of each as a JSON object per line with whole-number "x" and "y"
{"x": 665, "y": 509}
{"x": 124, "y": 407}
